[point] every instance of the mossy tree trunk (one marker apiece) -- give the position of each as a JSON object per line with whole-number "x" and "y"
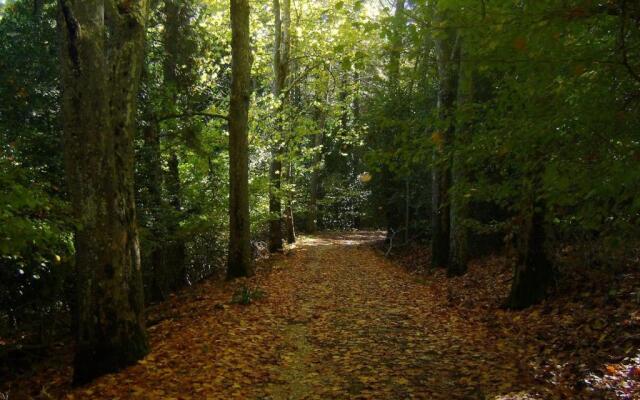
{"x": 240, "y": 260}
{"x": 101, "y": 56}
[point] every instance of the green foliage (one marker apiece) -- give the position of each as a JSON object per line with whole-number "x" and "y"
{"x": 30, "y": 218}
{"x": 561, "y": 114}
{"x": 36, "y": 249}
{"x": 553, "y": 103}
{"x": 344, "y": 203}
{"x": 36, "y": 253}
{"x": 29, "y": 90}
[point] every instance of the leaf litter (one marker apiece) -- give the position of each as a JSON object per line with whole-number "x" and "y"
{"x": 337, "y": 320}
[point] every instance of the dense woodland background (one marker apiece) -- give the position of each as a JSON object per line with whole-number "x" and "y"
{"x": 474, "y": 127}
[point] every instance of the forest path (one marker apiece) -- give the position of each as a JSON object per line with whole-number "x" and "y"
{"x": 338, "y": 321}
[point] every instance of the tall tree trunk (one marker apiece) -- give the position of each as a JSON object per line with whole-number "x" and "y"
{"x": 176, "y": 251}
{"x": 281, "y": 50}
{"x": 289, "y": 222}
{"x": 407, "y": 208}
{"x": 211, "y": 175}
{"x": 158, "y": 279}
{"x": 101, "y": 75}
{"x": 295, "y": 103}
{"x": 312, "y": 215}
{"x": 459, "y": 235}
{"x": 533, "y": 272}
{"x": 275, "y": 204}
{"x": 37, "y": 8}
{"x": 393, "y": 209}
{"x": 240, "y": 260}
{"x": 447, "y": 52}
{"x": 399, "y": 22}
{"x": 175, "y": 26}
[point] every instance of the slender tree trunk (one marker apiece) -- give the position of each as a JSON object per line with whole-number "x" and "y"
{"x": 447, "y": 51}
{"x": 281, "y": 50}
{"x": 312, "y": 215}
{"x": 240, "y": 260}
{"x": 400, "y": 20}
{"x": 294, "y": 100}
{"x": 392, "y": 185}
{"x": 175, "y": 27}
{"x": 176, "y": 251}
{"x": 459, "y": 235}
{"x": 158, "y": 282}
{"x": 275, "y": 204}
{"x": 37, "y": 8}
{"x": 165, "y": 268}
{"x": 171, "y": 42}
{"x": 289, "y": 222}
{"x": 211, "y": 175}
{"x": 407, "y": 208}
{"x": 440, "y": 216}
{"x": 100, "y": 75}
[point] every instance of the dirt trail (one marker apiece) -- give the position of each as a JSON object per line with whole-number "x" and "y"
{"x": 338, "y": 321}
{"x": 376, "y": 332}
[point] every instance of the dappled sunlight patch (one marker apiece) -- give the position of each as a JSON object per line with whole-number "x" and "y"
{"x": 622, "y": 378}
{"x": 339, "y": 238}
{"x": 519, "y": 396}
{"x": 309, "y": 241}
{"x": 348, "y": 242}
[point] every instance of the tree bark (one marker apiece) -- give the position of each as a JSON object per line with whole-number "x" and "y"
{"x": 396, "y": 43}
{"x": 281, "y": 49}
{"x": 176, "y": 28}
{"x": 154, "y": 265}
{"x": 275, "y": 205}
{"x": 533, "y": 272}
{"x": 294, "y": 99}
{"x": 407, "y": 208}
{"x": 312, "y": 215}
{"x": 289, "y": 222}
{"x": 459, "y": 235}
{"x": 176, "y": 251}
{"x": 240, "y": 260}
{"x": 447, "y": 52}
{"x": 391, "y": 183}
{"x": 100, "y": 75}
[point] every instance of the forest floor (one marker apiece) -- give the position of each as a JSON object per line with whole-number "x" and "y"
{"x": 335, "y": 319}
